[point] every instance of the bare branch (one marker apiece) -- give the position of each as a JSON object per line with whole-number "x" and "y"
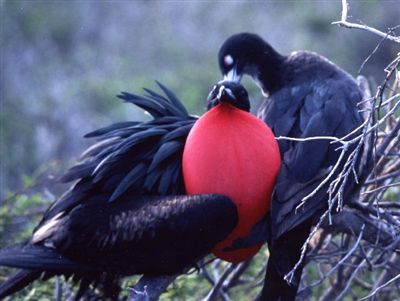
{"x": 216, "y": 291}
{"x": 343, "y": 22}
{"x": 351, "y": 221}
{"x": 150, "y": 288}
{"x": 381, "y": 287}
{"x": 345, "y": 257}
{"x": 333, "y": 139}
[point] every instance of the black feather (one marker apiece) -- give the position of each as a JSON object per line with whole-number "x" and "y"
{"x": 78, "y": 171}
{"x": 140, "y": 138}
{"x": 39, "y": 257}
{"x": 111, "y": 128}
{"x": 173, "y": 98}
{"x": 171, "y": 109}
{"x": 125, "y": 237}
{"x": 301, "y": 109}
{"x": 99, "y": 148}
{"x": 165, "y": 151}
{"x": 152, "y": 179}
{"x": 108, "y": 221}
{"x": 129, "y": 180}
{"x": 153, "y": 108}
{"x": 18, "y": 281}
{"x": 180, "y": 132}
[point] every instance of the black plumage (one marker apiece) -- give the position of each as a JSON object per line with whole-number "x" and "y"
{"x": 99, "y": 241}
{"x": 129, "y": 156}
{"x": 307, "y": 96}
{"x": 316, "y": 98}
{"x": 127, "y": 212}
{"x": 121, "y": 237}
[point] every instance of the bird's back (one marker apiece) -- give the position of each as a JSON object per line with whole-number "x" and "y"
{"x": 315, "y": 98}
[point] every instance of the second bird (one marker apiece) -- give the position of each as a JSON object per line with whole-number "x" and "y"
{"x": 307, "y": 96}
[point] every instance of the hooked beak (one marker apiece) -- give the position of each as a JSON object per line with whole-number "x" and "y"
{"x": 233, "y": 76}
{"x": 222, "y": 93}
{"x": 225, "y": 91}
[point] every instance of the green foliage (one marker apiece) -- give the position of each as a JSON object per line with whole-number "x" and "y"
{"x": 36, "y": 291}
{"x": 187, "y": 287}
{"x": 391, "y": 195}
{"x": 19, "y": 214}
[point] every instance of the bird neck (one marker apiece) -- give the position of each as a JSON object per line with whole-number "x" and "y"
{"x": 268, "y": 72}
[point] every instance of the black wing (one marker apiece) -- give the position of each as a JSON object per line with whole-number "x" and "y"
{"x": 117, "y": 219}
{"x": 99, "y": 240}
{"x": 321, "y": 101}
{"x": 136, "y": 158}
{"x": 136, "y": 235}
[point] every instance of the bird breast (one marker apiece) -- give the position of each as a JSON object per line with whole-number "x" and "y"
{"x": 231, "y": 152}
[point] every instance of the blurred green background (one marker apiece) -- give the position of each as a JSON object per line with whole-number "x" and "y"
{"x": 62, "y": 62}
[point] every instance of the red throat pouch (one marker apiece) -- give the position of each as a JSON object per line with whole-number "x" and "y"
{"x": 231, "y": 152}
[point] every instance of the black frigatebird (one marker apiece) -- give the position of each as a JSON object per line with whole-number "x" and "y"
{"x": 307, "y": 96}
{"x": 128, "y": 212}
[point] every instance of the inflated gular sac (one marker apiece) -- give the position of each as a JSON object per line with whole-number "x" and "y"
{"x": 231, "y": 152}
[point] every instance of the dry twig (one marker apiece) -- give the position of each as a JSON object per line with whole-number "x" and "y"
{"x": 343, "y": 22}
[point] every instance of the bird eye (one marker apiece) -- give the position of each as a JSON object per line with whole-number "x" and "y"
{"x": 228, "y": 60}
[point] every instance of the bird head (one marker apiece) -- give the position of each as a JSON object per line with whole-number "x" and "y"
{"x": 248, "y": 53}
{"x": 229, "y": 92}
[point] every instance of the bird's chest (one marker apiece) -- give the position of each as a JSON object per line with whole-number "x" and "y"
{"x": 233, "y": 153}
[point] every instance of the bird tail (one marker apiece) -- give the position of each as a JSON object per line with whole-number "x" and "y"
{"x": 36, "y": 257}
{"x": 35, "y": 261}
{"x": 284, "y": 254}
{"x": 18, "y": 281}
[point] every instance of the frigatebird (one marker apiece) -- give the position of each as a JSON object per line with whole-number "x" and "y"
{"x": 307, "y": 96}
{"x": 135, "y": 210}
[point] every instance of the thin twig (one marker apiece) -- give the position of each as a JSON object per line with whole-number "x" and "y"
{"x": 343, "y": 22}
{"x": 380, "y": 287}
{"x": 214, "y": 293}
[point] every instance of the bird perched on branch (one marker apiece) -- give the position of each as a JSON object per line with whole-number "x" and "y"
{"x": 307, "y": 96}
{"x": 128, "y": 212}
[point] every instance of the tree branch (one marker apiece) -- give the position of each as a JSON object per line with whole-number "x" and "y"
{"x": 381, "y": 287}
{"x": 351, "y": 221}
{"x": 344, "y": 23}
{"x": 150, "y": 288}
